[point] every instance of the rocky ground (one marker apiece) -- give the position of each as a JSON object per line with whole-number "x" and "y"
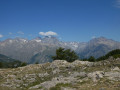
{"x": 61, "y": 75}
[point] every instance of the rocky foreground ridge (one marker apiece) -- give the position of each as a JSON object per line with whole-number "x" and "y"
{"x": 62, "y": 75}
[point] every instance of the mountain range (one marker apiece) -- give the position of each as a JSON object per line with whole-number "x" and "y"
{"x": 41, "y": 49}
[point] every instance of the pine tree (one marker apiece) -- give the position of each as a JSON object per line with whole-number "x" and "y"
{"x": 62, "y": 54}
{"x": 91, "y": 59}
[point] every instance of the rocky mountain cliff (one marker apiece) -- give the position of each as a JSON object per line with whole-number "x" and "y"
{"x": 61, "y": 75}
{"x": 41, "y": 49}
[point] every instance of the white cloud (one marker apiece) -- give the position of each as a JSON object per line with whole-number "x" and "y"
{"x": 1, "y": 35}
{"x": 49, "y": 33}
{"x": 20, "y": 32}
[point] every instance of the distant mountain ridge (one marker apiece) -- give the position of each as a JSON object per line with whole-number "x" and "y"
{"x": 41, "y": 49}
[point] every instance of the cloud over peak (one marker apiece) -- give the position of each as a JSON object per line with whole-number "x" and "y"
{"x": 49, "y": 33}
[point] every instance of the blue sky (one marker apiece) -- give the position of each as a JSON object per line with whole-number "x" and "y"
{"x": 69, "y": 20}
